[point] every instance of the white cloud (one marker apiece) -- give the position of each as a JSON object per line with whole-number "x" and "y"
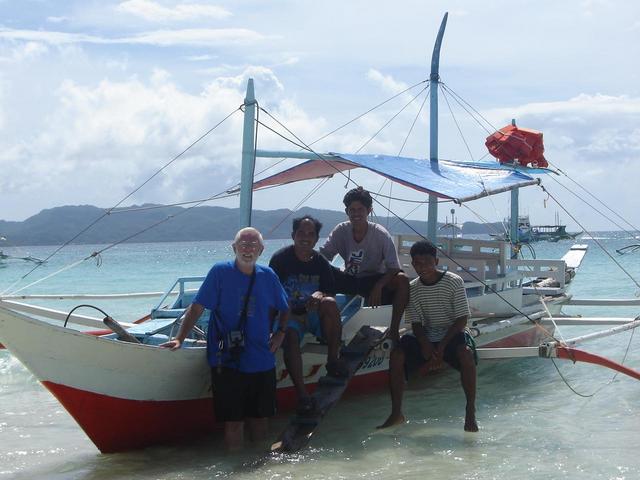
{"x": 386, "y": 81}
{"x": 201, "y": 58}
{"x": 26, "y": 51}
{"x": 103, "y": 140}
{"x": 599, "y": 128}
{"x": 154, "y": 12}
{"x": 57, "y": 19}
{"x": 203, "y": 37}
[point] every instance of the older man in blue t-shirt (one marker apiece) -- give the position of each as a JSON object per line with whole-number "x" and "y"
{"x": 241, "y": 295}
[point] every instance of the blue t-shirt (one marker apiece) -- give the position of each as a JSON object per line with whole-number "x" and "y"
{"x": 224, "y": 290}
{"x": 301, "y": 279}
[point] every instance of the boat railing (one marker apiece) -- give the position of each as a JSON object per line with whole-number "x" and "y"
{"x": 178, "y": 306}
{"x": 474, "y": 260}
{"x": 531, "y": 268}
{"x": 489, "y": 285}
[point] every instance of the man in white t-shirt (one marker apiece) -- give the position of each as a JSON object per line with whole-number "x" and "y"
{"x": 437, "y": 311}
{"x": 371, "y": 265}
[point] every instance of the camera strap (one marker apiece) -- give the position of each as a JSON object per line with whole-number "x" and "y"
{"x": 243, "y": 319}
{"x": 243, "y": 315}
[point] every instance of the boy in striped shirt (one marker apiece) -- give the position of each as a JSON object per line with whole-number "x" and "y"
{"x": 437, "y": 311}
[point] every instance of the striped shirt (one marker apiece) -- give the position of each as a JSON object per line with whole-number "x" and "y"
{"x": 437, "y": 305}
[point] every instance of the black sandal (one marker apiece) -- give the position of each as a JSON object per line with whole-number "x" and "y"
{"x": 338, "y": 369}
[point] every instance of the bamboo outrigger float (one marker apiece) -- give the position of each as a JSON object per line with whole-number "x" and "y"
{"x": 516, "y": 306}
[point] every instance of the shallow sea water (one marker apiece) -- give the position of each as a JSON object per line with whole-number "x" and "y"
{"x": 532, "y": 426}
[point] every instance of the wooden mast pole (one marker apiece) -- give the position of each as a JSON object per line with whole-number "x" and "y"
{"x": 248, "y": 156}
{"x": 434, "y": 78}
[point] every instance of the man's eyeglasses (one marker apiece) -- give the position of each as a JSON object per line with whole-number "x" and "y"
{"x": 246, "y": 244}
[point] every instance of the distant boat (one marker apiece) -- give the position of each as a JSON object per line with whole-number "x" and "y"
{"x": 29, "y": 258}
{"x": 453, "y": 227}
{"x": 538, "y": 233}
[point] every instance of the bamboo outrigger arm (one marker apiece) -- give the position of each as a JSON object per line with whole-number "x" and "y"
{"x": 566, "y": 350}
{"x": 576, "y": 355}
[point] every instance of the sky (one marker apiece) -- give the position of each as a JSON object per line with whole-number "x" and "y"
{"x": 97, "y": 96}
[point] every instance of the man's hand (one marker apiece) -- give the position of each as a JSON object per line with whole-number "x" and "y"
{"x": 314, "y": 301}
{"x": 430, "y": 354}
{"x": 174, "y": 344}
{"x": 431, "y": 366}
{"x": 427, "y": 350}
{"x": 276, "y": 341}
{"x": 439, "y": 351}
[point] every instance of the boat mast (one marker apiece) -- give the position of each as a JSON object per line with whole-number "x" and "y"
{"x": 434, "y": 78}
{"x": 513, "y": 228}
{"x": 248, "y": 156}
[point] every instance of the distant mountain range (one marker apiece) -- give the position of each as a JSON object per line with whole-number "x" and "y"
{"x": 58, "y": 225}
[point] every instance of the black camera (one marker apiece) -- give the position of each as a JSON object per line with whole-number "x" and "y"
{"x": 235, "y": 344}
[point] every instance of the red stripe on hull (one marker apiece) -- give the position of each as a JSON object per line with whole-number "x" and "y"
{"x": 117, "y": 424}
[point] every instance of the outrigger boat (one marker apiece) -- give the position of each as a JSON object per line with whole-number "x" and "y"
{"x": 123, "y": 390}
{"x": 6, "y": 256}
{"x": 538, "y": 233}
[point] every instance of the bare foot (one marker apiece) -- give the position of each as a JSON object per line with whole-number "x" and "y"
{"x": 392, "y": 420}
{"x": 470, "y": 424}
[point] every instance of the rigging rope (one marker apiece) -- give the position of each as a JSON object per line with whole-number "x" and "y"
{"x": 368, "y": 111}
{"x": 591, "y": 206}
{"x": 455, "y": 120}
{"x": 304, "y": 147}
{"x": 391, "y": 119}
{"x": 304, "y": 199}
{"x": 626, "y": 272}
{"x": 109, "y": 211}
{"x": 601, "y": 387}
{"x": 460, "y": 102}
{"x": 406, "y": 138}
{"x": 600, "y": 201}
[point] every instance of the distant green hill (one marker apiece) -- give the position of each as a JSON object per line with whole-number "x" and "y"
{"x": 55, "y": 226}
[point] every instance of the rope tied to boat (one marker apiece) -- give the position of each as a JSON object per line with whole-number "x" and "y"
{"x": 98, "y": 258}
{"x": 571, "y": 354}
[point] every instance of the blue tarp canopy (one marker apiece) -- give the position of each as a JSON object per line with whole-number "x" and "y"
{"x": 450, "y": 180}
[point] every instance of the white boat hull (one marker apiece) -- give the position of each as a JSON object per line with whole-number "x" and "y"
{"x": 124, "y": 395}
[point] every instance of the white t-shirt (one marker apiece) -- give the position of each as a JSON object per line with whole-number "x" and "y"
{"x": 438, "y": 305}
{"x": 376, "y": 253}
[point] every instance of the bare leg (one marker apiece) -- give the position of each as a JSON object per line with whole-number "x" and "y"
{"x": 233, "y": 435}
{"x": 400, "y": 287}
{"x": 257, "y": 428}
{"x": 468, "y": 380}
{"x": 293, "y": 361}
{"x": 331, "y": 325}
{"x": 396, "y": 388}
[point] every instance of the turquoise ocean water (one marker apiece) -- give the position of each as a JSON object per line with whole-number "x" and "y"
{"x": 532, "y": 426}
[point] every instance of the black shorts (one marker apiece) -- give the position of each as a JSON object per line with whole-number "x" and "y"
{"x": 350, "y": 285}
{"x": 239, "y": 395}
{"x": 413, "y": 358}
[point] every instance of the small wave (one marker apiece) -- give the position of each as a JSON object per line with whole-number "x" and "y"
{"x": 12, "y": 371}
{"x": 589, "y": 237}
